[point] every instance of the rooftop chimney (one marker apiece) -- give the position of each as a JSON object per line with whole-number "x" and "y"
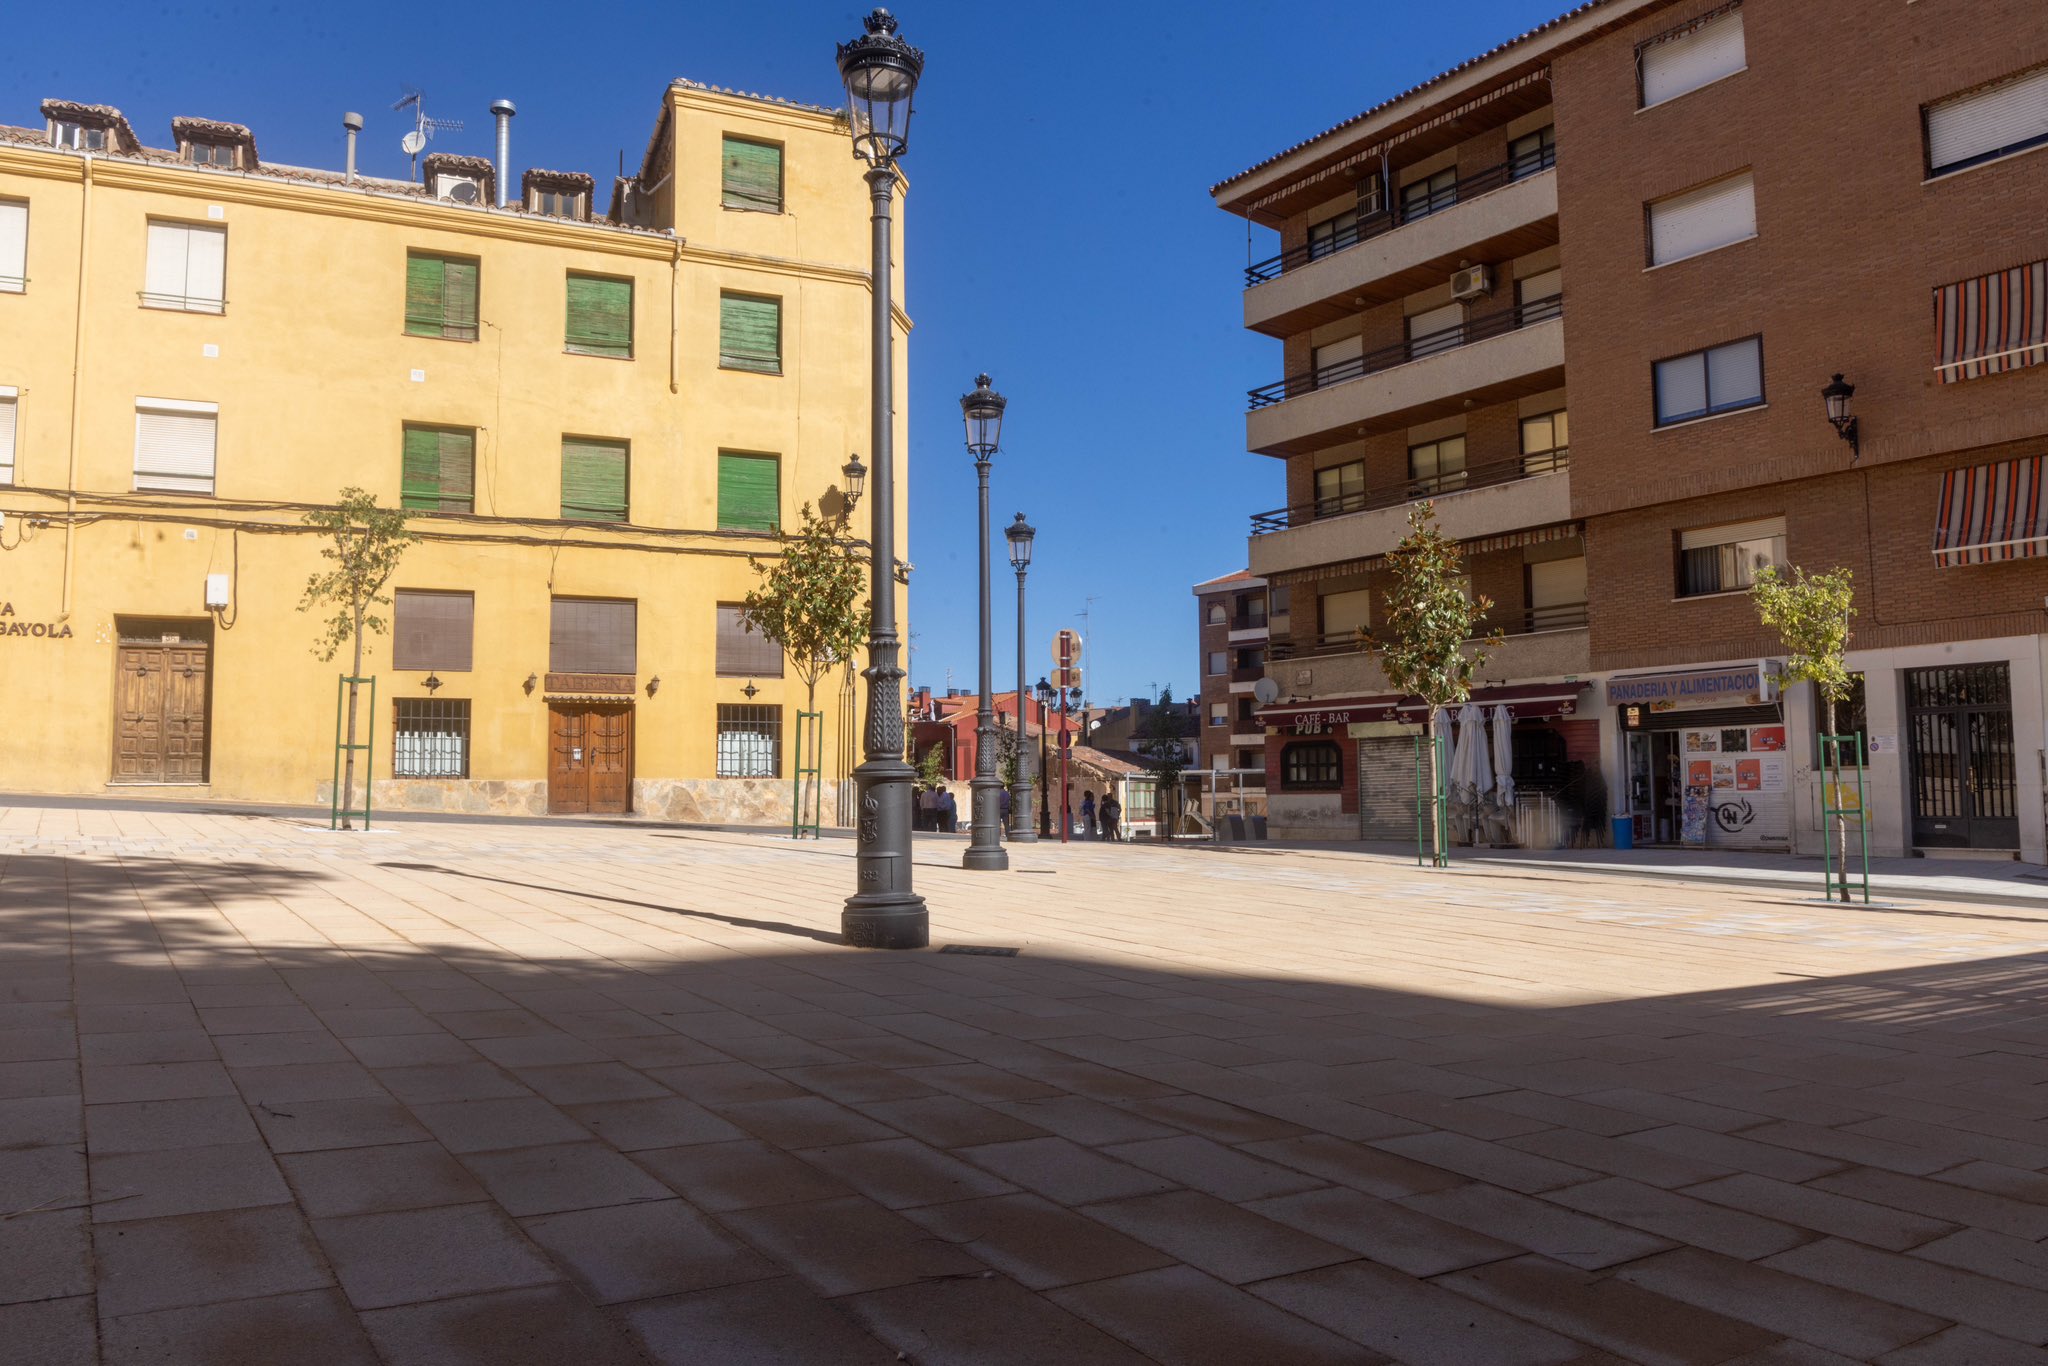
{"x": 503, "y": 111}
{"x": 354, "y": 123}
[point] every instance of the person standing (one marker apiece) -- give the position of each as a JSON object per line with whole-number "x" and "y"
{"x": 1088, "y": 815}
{"x": 1111, "y": 812}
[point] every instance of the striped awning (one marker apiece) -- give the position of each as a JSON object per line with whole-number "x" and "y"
{"x": 1991, "y": 513}
{"x": 1991, "y": 324}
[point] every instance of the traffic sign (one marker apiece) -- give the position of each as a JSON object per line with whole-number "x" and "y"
{"x": 1069, "y": 677}
{"x": 1066, "y": 646}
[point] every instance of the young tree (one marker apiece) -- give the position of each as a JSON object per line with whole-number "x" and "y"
{"x": 1811, "y": 616}
{"x": 1165, "y": 751}
{"x": 809, "y": 602}
{"x": 365, "y": 543}
{"x": 1428, "y": 646}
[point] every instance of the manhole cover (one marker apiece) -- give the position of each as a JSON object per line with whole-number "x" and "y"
{"x": 984, "y": 950}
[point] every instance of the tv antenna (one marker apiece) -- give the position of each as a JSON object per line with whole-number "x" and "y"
{"x": 424, "y": 128}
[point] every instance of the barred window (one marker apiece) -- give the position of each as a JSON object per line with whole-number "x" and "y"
{"x": 1317, "y": 765}
{"x": 749, "y": 741}
{"x": 430, "y": 737}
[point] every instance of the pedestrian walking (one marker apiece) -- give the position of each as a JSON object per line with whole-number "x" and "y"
{"x": 1087, "y": 815}
{"x": 1003, "y": 806}
{"x": 927, "y": 814}
{"x": 949, "y": 812}
{"x": 1111, "y": 812}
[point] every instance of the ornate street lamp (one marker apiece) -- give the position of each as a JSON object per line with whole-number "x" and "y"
{"x": 856, "y": 476}
{"x": 881, "y": 71}
{"x": 1836, "y": 396}
{"x": 1020, "y": 534}
{"x": 983, "y": 412}
{"x": 1043, "y": 690}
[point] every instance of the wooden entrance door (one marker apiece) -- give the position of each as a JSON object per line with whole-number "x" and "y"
{"x": 160, "y": 714}
{"x": 590, "y": 758}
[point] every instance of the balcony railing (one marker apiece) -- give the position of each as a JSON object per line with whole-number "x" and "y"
{"x": 1414, "y": 348}
{"x": 1561, "y": 616}
{"x": 1248, "y": 673}
{"x": 1569, "y": 616}
{"x": 1386, "y": 220}
{"x": 1432, "y": 486}
{"x": 1248, "y": 623}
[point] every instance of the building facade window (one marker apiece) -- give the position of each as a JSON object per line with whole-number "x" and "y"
{"x": 1989, "y": 122}
{"x": 749, "y": 741}
{"x": 10, "y": 397}
{"x": 1690, "y": 56}
{"x": 1702, "y": 220}
{"x": 1532, "y": 152}
{"x": 1719, "y": 379}
{"x": 556, "y": 203}
{"x": 1344, "y": 614}
{"x": 13, "y": 246}
{"x": 1312, "y": 766}
{"x": 1219, "y": 663}
{"x": 186, "y": 269}
{"x": 1431, "y": 194}
{"x": 223, "y": 154}
{"x": 750, "y": 333}
{"x": 749, "y": 492}
{"x": 1540, "y": 297}
{"x": 751, "y": 175}
{"x": 1437, "y": 466}
{"x": 1333, "y": 234}
{"x": 593, "y": 635}
{"x": 439, "y": 473}
{"x": 1215, "y": 614}
{"x": 1251, "y": 611}
{"x": 594, "y": 480}
{"x": 600, "y": 317}
{"x": 78, "y": 137}
{"x": 430, "y": 737}
{"x": 174, "y": 445}
{"x": 432, "y": 630}
{"x": 1727, "y": 559}
{"x": 1219, "y": 713}
{"x": 743, "y": 653}
{"x": 1337, "y": 361}
{"x": 1436, "y": 331}
{"x": 1546, "y": 443}
{"x": 1340, "y": 488}
{"x": 440, "y": 296}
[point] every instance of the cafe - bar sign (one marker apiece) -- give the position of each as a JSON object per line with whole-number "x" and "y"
{"x": 1742, "y": 685}
{"x": 41, "y": 630}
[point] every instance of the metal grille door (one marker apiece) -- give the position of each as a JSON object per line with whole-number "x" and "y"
{"x": 1965, "y": 783}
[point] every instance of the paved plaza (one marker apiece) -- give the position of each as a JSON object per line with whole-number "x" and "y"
{"x": 575, "y": 1095}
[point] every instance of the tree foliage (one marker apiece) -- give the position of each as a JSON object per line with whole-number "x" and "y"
{"x": 811, "y": 599}
{"x": 1811, "y": 615}
{"x": 365, "y": 543}
{"x": 1428, "y": 644}
{"x": 1165, "y": 751}
{"x": 931, "y": 769}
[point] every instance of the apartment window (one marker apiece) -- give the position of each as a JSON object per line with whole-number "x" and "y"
{"x": 593, "y": 480}
{"x": 1437, "y": 331}
{"x": 78, "y": 137}
{"x": 1278, "y": 602}
{"x": 1546, "y": 443}
{"x": 186, "y": 268}
{"x": 1333, "y": 234}
{"x": 1312, "y": 766}
{"x": 1253, "y": 658}
{"x": 600, "y": 317}
{"x": 1338, "y": 360}
{"x": 1690, "y": 56}
{"x": 440, "y": 296}
{"x": 1437, "y": 466}
{"x": 1219, "y": 713}
{"x": 439, "y": 473}
{"x": 749, "y": 741}
{"x": 743, "y": 653}
{"x": 750, "y": 333}
{"x": 557, "y": 203}
{"x": 1246, "y": 709}
{"x": 1727, "y": 559}
{"x": 749, "y": 492}
{"x": 1702, "y": 220}
{"x": 1540, "y": 297}
{"x": 174, "y": 445}
{"x": 1345, "y": 614}
{"x": 10, "y": 397}
{"x": 592, "y": 635}
{"x": 1532, "y": 152}
{"x": 752, "y": 175}
{"x": 1431, "y": 194}
{"x": 1216, "y": 614}
{"x": 13, "y": 246}
{"x": 1719, "y": 379}
{"x": 432, "y": 630}
{"x": 1219, "y": 663}
{"x": 225, "y": 154}
{"x": 1992, "y": 323}
{"x": 1989, "y": 122}
{"x": 1251, "y": 610}
{"x": 430, "y": 737}
{"x": 1557, "y": 594}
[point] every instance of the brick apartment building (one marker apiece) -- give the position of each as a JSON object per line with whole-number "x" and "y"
{"x": 1233, "y": 616}
{"x": 1584, "y": 292}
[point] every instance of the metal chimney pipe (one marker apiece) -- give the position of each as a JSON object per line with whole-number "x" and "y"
{"x": 354, "y": 123}
{"x": 503, "y": 111}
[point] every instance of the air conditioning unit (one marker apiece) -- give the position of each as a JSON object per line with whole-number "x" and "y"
{"x": 1472, "y": 282}
{"x": 461, "y": 189}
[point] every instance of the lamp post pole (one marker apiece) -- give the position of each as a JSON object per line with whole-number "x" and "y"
{"x": 881, "y": 72}
{"x": 983, "y": 412}
{"x": 1020, "y": 534}
{"x": 1044, "y": 695}
{"x": 1066, "y": 794}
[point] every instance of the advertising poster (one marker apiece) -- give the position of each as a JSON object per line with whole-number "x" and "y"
{"x": 1767, "y": 739}
{"x": 1703, "y": 741}
{"x": 1724, "y": 775}
{"x": 1699, "y": 773}
{"x": 1735, "y": 741}
{"x": 1692, "y": 827}
{"x": 1749, "y": 775}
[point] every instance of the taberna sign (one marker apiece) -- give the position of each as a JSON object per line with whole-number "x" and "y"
{"x": 1737, "y": 685}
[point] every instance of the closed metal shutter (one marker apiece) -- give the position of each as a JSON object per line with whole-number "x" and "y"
{"x": 743, "y": 653}
{"x": 1988, "y": 122}
{"x": 431, "y": 630}
{"x": 1692, "y": 57}
{"x": 1703, "y": 219}
{"x": 174, "y": 442}
{"x": 1386, "y": 788}
{"x": 591, "y": 636}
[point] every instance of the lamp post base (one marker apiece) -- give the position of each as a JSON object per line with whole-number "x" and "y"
{"x": 986, "y": 854}
{"x": 885, "y": 913}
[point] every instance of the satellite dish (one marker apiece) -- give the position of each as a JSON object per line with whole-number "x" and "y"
{"x": 413, "y": 143}
{"x": 1266, "y": 691}
{"x": 464, "y": 192}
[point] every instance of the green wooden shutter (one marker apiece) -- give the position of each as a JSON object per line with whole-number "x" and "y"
{"x": 749, "y": 496}
{"x": 750, "y": 333}
{"x": 458, "y": 300}
{"x": 420, "y": 483}
{"x": 594, "y": 480}
{"x": 600, "y": 317}
{"x": 423, "y": 287}
{"x": 753, "y": 175}
{"x": 457, "y": 459}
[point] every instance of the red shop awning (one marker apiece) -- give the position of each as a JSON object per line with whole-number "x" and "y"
{"x": 1326, "y": 715}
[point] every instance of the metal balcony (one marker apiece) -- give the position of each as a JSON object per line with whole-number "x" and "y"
{"x": 1414, "y": 490}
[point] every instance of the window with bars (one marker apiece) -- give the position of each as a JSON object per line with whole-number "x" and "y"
{"x": 13, "y": 246}
{"x": 592, "y": 635}
{"x": 440, "y": 296}
{"x": 743, "y": 653}
{"x": 749, "y": 741}
{"x": 749, "y": 492}
{"x": 1312, "y": 766}
{"x": 432, "y": 630}
{"x": 594, "y": 480}
{"x": 439, "y": 473}
{"x": 430, "y": 737}
{"x": 750, "y": 333}
{"x": 600, "y": 317}
{"x": 186, "y": 268}
{"x": 1719, "y": 379}
{"x": 751, "y": 175}
{"x": 1727, "y": 559}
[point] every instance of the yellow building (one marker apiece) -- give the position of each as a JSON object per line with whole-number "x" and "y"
{"x": 595, "y": 418}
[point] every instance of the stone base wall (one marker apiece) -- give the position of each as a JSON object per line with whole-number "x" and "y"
{"x": 1309, "y": 816}
{"x": 728, "y": 801}
{"x": 456, "y": 796}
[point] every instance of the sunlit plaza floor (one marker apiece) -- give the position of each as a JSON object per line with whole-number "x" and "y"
{"x": 476, "y": 1093}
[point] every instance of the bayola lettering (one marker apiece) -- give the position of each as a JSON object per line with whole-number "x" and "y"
{"x": 35, "y": 630}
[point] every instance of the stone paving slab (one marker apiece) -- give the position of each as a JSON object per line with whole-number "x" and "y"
{"x": 454, "y": 1093}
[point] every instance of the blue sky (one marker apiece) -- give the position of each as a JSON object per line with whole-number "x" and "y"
{"x": 1060, "y": 232}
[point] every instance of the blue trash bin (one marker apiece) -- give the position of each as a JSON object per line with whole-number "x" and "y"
{"x": 1624, "y": 832}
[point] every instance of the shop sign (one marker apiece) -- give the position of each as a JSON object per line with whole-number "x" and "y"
{"x": 1330, "y": 722}
{"x": 36, "y": 630}
{"x": 1742, "y": 685}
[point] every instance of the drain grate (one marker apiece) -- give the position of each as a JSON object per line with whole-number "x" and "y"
{"x": 984, "y": 950}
